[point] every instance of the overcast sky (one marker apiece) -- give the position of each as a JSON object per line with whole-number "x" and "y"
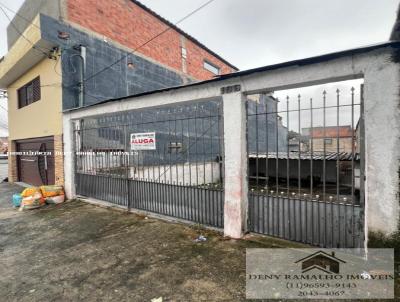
{"x": 253, "y": 33}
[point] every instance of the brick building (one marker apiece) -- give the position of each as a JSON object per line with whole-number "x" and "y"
{"x": 331, "y": 135}
{"x": 69, "y": 57}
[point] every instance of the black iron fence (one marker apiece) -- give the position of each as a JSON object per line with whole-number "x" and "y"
{"x": 306, "y": 168}
{"x": 166, "y": 160}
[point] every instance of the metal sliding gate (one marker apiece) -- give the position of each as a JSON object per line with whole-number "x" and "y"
{"x": 166, "y": 160}
{"x": 306, "y": 167}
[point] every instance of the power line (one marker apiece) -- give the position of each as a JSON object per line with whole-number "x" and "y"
{"x": 22, "y": 35}
{"x": 3, "y": 108}
{"x": 46, "y": 85}
{"x": 4, "y": 125}
{"x": 152, "y": 39}
{"x": 19, "y": 15}
{"x": 107, "y": 67}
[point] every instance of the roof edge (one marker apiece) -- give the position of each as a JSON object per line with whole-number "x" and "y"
{"x": 299, "y": 62}
{"x": 170, "y": 24}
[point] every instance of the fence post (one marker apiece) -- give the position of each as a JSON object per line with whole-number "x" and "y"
{"x": 69, "y": 157}
{"x": 382, "y": 145}
{"x": 235, "y": 146}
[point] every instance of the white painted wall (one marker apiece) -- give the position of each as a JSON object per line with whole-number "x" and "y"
{"x": 381, "y": 116}
{"x": 382, "y": 132}
{"x": 236, "y": 184}
{"x": 193, "y": 174}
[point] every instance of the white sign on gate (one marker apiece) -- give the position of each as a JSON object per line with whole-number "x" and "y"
{"x": 143, "y": 141}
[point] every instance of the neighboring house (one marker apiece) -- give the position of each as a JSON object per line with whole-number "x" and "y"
{"x": 69, "y": 53}
{"x": 3, "y": 145}
{"x": 266, "y": 131}
{"x": 317, "y": 136}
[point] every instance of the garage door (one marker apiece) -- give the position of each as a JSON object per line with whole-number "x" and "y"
{"x": 36, "y": 163}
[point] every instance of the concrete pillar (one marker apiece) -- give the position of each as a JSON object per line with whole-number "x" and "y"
{"x": 236, "y": 188}
{"x": 69, "y": 164}
{"x": 382, "y": 145}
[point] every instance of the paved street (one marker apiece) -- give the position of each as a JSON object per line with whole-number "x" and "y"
{"x": 3, "y": 169}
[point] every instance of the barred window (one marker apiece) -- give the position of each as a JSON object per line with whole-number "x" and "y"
{"x": 29, "y": 93}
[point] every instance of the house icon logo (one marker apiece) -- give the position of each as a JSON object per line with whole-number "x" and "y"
{"x": 321, "y": 261}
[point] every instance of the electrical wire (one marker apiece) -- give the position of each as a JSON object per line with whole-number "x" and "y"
{"x": 3, "y": 108}
{"x": 46, "y": 85}
{"x": 4, "y": 125}
{"x": 19, "y": 15}
{"x": 107, "y": 67}
{"x": 149, "y": 41}
{"x": 22, "y": 35}
{"x": 119, "y": 60}
{"x": 55, "y": 66}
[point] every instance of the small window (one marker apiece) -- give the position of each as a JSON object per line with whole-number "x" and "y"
{"x": 328, "y": 141}
{"x": 211, "y": 67}
{"x": 29, "y": 93}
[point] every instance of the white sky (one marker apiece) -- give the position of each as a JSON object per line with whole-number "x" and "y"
{"x": 253, "y": 33}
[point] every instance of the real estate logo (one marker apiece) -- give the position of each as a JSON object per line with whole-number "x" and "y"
{"x": 319, "y": 274}
{"x": 321, "y": 261}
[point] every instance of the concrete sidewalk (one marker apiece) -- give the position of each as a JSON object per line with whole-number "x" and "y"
{"x": 80, "y": 252}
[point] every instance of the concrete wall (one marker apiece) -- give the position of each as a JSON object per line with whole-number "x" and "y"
{"x": 131, "y": 25}
{"x": 29, "y": 10}
{"x": 345, "y": 144}
{"x": 117, "y": 81}
{"x": 382, "y": 77}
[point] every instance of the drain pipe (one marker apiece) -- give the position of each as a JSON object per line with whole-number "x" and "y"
{"x": 83, "y": 74}
{"x": 81, "y": 84}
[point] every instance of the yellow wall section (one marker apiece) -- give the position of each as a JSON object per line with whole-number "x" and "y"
{"x": 44, "y": 117}
{"x": 21, "y": 47}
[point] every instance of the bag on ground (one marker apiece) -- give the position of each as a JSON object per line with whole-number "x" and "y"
{"x": 16, "y": 200}
{"x": 32, "y": 202}
{"x": 30, "y": 192}
{"x": 55, "y": 199}
{"x": 51, "y": 191}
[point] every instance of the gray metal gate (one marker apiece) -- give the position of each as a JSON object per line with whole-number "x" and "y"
{"x": 166, "y": 160}
{"x": 306, "y": 168}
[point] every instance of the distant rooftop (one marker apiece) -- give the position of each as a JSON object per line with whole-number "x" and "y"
{"x": 328, "y": 132}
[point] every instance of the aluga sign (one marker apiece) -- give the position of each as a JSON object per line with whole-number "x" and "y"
{"x": 143, "y": 141}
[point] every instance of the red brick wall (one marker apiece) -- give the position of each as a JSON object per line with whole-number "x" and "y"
{"x": 195, "y": 60}
{"x": 125, "y": 22}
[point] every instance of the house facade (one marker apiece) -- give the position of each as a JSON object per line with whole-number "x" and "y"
{"x": 327, "y": 139}
{"x": 3, "y": 145}
{"x": 71, "y": 53}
